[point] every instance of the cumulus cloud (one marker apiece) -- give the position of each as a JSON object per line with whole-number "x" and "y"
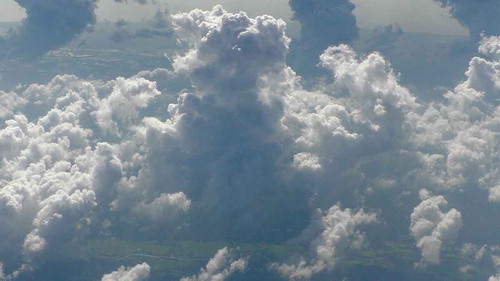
{"x": 485, "y": 256}
{"x": 63, "y": 168}
{"x": 324, "y": 23}
{"x": 246, "y": 152}
{"x": 139, "y": 272}
{"x": 329, "y": 236}
{"x": 490, "y": 46}
{"x": 480, "y": 17}
{"x": 57, "y": 218}
{"x": 220, "y": 267}
{"x": 458, "y": 138}
{"x": 164, "y": 208}
{"x": 361, "y": 115}
{"x": 229, "y": 124}
{"x": 48, "y": 25}
{"x": 431, "y": 227}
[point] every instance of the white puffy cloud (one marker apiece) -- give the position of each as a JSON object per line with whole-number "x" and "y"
{"x": 164, "y": 208}
{"x": 329, "y": 237}
{"x": 220, "y": 267}
{"x": 242, "y": 148}
{"x": 360, "y": 117}
{"x": 120, "y": 108}
{"x": 490, "y": 46}
{"x": 458, "y": 138}
{"x": 61, "y": 175}
{"x": 57, "y": 219}
{"x": 9, "y": 102}
{"x": 431, "y": 227}
{"x": 139, "y": 272}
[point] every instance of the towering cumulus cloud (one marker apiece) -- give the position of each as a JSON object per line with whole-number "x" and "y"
{"x": 49, "y": 24}
{"x": 478, "y": 16}
{"x": 324, "y": 23}
{"x": 222, "y": 144}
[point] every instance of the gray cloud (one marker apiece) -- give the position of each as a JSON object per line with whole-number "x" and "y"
{"x": 324, "y": 23}
{"x": 49, "y": 24}
{"x": 478, "y": 16}
{"x": 138, "y": 1}
{"x": 161, "y": 26}
{"x": 383, "y": 38}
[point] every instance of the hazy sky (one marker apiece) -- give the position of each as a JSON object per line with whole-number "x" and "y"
{"x": 420, "y": 16}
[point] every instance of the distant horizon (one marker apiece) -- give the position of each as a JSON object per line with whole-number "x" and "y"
{"x": 407, "y": 13}
{"x": 295, "y": 26}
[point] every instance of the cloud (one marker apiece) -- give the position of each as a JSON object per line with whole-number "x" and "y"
{"x": 431, "y": 227}
{"x": 160, "y": 26}
{"x": 220, "y": 267}
{"x": 329, "y": 236}
{"x": 490, "y": 46}
{"x": 139, "y": 272}
{"x": 63, "y": 169}
{"x": 324, "y": 23}
{"x": 58, "y": 219}
{"x": 48, "y": 25}
{"x": 229, "y": 124}
{"x": 480, "y": 17}
{"x": 138, "y": 1}
{"x": 382, "y": 39}
{"x": 164, "y": 208}
{"x": 458, "y": 138}
{"x": 245, "y": 152}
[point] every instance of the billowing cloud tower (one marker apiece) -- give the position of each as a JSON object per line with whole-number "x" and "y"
{"x": 49, "y": 24}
